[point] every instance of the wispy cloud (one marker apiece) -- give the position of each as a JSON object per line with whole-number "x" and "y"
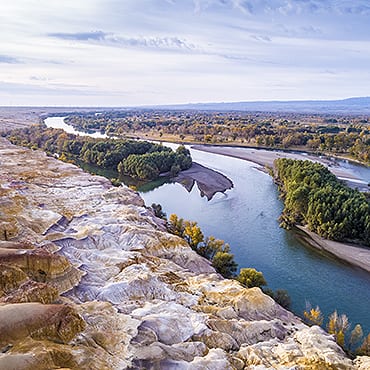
{"x": 51, "y": 89}
{"x": 184, "y": 50}
{"x": 111, "y": 39}
{"x": 6, "y": 59}
{"x": 305, "y": 31}
{"x": 288, "y": 7}
{"x": 80, "y": 36}
{"x": 39, "y": 78}
{"x": 359, "y": 7}
{"x": 261, "y": 38}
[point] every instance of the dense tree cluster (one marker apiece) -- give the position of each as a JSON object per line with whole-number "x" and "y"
{"x": 150, "y": 165}
{"x": 139, "y": 159}
{"x": 343, "y": 135}
{"x": 313, "y": 196}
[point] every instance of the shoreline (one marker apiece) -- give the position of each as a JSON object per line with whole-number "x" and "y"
{"x": 266, "y": 158}
{"x": 353, "y": 254}
{"x": 209, "y": 182}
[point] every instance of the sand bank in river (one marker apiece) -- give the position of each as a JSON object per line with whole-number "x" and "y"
{"x": 351, "y": 253}
{"x": 209, "y": 181}
{"x": 267, "y": 157}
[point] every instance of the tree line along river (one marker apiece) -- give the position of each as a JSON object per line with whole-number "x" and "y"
{"x": 246, "y": 217}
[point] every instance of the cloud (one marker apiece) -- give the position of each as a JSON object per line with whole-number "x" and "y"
{"x": 350, "y": 8}
{"x": 111, "y": 39}
{"x": 184, "y": 49}
{"x": 342, "y": 7}
{"x": 38, "y": 78}
{"x": 80, "y": 36}
{"x": 261, "y": 38}
{"x": 56, "y": 89}
{"x": 6, "y": 59}
{"x": 307, "y": 31}
{"x": 245, "y": 6}
{"x": 288, "y": 7}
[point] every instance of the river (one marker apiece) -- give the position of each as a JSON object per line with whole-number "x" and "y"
{"x": 247, "y": 218}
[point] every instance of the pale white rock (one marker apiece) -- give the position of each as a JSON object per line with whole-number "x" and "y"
{"x": 362, "y": 363}
{"x": 227, "y": 313}
{"x": 216, "y": 339}
{"x": 310, "y": 348}
{"x": 148, "y": 300}
{"x": 136, "y": 282}
{"x": 159, "y": 353}
{"x": 172, "y": 323}
{"x": 245, "y": 332}
{"x": 216, "y": 359}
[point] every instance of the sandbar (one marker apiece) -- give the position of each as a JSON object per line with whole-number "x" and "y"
{"x": 354, "y": 254}
{"x": 266, "y": 158}
{"x": 208, "y": 181}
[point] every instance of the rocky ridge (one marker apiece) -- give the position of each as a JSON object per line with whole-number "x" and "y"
{"x": 90, "y": 279}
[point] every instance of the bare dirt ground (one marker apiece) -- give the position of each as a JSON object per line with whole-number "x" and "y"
{"x": 18, "y": 117}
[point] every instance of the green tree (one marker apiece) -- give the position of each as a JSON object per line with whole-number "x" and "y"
{"x": 250, "y": 277}
{"x": 282, "y": 297}
{"x": 224, "y": 264}
{"x": 364, "y": 349}
{"x": 158, "y": 211}
{"x": 356, "y": 336}
{"x": 175, "y": 170}
{"x": 314, "y": 197}
{"x": 211, "y": 246}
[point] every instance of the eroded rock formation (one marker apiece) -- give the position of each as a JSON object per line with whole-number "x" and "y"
{"x": 90, "y": 279}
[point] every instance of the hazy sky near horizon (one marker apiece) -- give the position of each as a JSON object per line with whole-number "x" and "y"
{"x": 137, "y": 52}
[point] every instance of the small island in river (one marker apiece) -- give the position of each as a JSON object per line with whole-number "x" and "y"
{"x": 209, "y": 181}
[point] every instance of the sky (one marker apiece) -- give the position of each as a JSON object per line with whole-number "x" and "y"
{"x": 146, "y": 52}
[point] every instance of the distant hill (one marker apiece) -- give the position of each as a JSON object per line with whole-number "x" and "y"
{"x": 359, "y": 105}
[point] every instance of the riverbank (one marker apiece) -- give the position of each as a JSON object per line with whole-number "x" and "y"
{"x": 208, "y": 181}
{"x": 353, "y": 254}
{"x": 266, "y": 158}
{"x": 263, "y": 157}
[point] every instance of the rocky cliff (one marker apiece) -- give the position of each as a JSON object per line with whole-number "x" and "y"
{"x": 90, "y": 279}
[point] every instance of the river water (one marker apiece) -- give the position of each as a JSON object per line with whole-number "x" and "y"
{"x": 247, "y": 218}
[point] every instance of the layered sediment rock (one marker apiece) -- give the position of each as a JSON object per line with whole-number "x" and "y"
{"x": 104, "y": 286}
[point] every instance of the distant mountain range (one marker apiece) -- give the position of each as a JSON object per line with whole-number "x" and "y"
{"x": 356, "y": 106}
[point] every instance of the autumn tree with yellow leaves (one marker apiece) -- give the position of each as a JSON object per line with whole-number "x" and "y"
{"x": 313, "y": 316}
{"x": 215, "y": 250}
